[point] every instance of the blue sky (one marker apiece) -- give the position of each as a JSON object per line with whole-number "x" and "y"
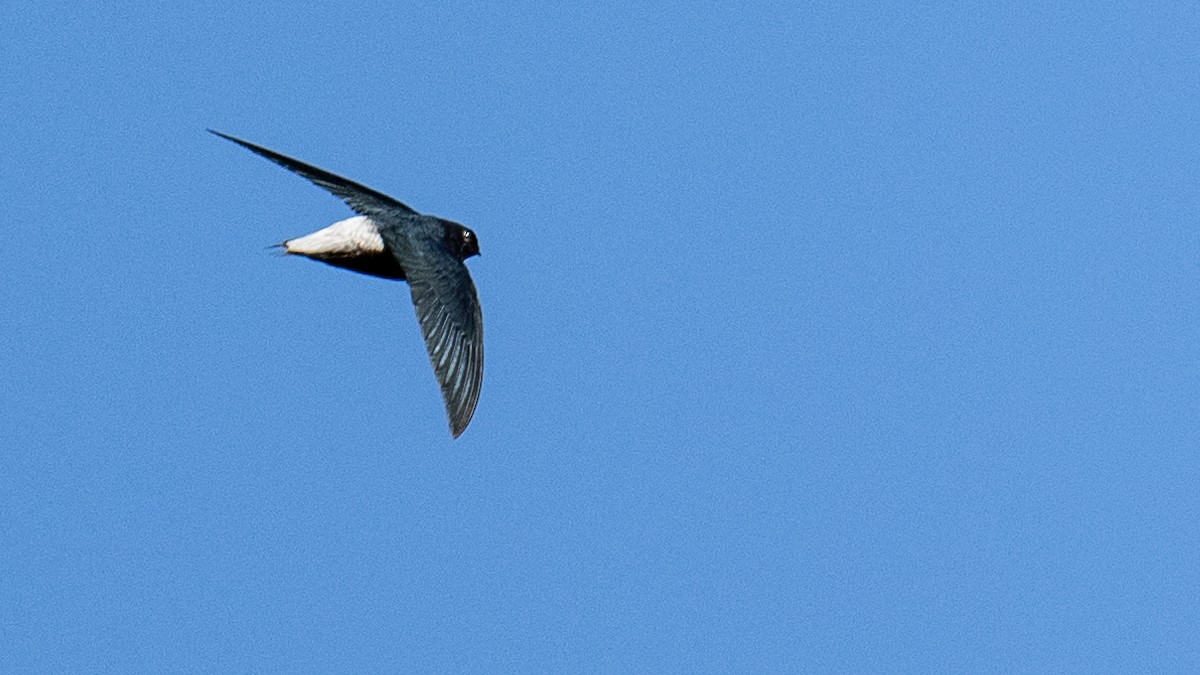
{"x": 818, "y": 338}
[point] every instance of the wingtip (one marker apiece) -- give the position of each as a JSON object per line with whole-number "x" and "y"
{"x": 226, "y": 136}
{"x": 458, "y": 425}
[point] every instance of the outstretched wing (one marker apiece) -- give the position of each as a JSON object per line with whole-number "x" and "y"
{"x": 452, "y": 323}
{"x": 359, "y": 197}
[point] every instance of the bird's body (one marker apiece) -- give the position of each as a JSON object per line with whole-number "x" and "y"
{"x": 354, "y": 244}
{"x": 390, "y": 240}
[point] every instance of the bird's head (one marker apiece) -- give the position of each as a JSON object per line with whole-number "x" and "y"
{"x": 462, "y": 240}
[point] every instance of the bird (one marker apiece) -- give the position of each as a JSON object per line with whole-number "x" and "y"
{"x": 388, "y": 239}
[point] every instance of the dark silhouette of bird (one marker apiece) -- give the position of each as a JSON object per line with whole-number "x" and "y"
{"x": 390, "y": 240}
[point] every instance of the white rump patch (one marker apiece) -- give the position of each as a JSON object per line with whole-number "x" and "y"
{"x": 349, "y": 238}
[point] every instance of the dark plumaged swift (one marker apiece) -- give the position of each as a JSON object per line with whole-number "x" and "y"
{"x": 390, "y": 240}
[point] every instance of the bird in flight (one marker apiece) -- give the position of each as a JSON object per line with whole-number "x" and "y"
{"x": 390, "y": 240}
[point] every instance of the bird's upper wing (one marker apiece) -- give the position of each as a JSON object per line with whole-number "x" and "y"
{"x": 361, "y": 198}
{"x": 451, "y": 320}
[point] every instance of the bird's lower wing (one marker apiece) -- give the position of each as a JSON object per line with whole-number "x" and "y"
{"x": 448, "y": 310}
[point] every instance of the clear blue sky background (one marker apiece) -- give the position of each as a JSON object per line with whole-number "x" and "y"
{"x": 819, "y": 338}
